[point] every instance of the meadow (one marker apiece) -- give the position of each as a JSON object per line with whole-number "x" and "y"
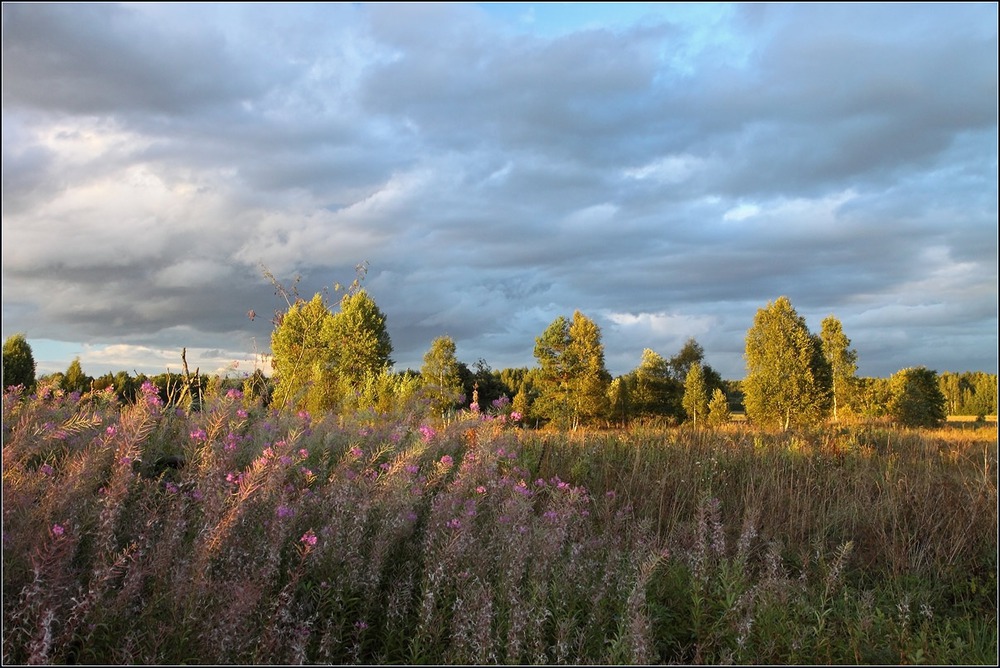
{"x": 148, "y": 534}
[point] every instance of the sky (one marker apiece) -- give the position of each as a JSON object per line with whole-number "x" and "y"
{"x": 665, "y": 169}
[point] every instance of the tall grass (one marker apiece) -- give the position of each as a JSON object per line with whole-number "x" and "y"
{"x": 144, "y": 534}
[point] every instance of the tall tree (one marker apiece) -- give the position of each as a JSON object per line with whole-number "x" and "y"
{"x": 301, "y": 354}
{"x": 18, "y": 362}
{"x": 573, "y": 380}
{"x": 554, "y": 381}
{"x": 843, "y": 361}
{"x": 691, "y": 353}
{"x": 439, "y": 375}
{"x": 788, "y": 379}
{"x": 718, "y": 409}
{"x": 591, "y": 379}
{"x": 359, "y": 338}
{"x": 695, "y": 393}
{"x": 655, "y": 391}
{"x": 75, "y": 380}
{"x": 917, "y": 400}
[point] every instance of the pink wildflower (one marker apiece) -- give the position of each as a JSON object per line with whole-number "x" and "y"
{"x": 58, "y": 530}
{"x": 308, "y": 538}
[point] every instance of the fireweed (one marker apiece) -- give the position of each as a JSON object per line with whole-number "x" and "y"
{"x": 367, "y": 538}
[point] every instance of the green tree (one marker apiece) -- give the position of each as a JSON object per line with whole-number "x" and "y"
{"x": 18, "y": 362}
{"x": 555, "y": 378}
{"x": 301, "y": 354}
{"x": 619, "y": 397}
{"x": 917, "y": 400}
{"x": 655, "y": 391}
{"x": 591, "y": 380}
{"x": 358, "y": 338}
{"x": 788, "y": 379}
{"x": 573, "y": 381}
{"x": 843, "y": 361}
{"x": 718, "y": 409}
{"x": 75, "y": 380}
{"x": 439, "y": 375}
{"x": 695, "y": 393}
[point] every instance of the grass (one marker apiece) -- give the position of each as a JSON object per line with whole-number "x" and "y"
{"x": 366, "y": 538}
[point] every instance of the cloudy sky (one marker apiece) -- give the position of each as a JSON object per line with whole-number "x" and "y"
{"x": 665, "y": 169}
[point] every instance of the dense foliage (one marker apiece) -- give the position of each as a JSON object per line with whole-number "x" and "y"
{"x": 18, "y": 362}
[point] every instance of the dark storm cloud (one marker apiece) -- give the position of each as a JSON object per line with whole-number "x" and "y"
{"x": 667, "y": 176}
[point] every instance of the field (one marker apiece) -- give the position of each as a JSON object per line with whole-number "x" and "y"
{"x": 145, "y": 534}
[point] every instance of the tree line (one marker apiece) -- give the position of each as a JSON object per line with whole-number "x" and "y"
{"x": 337, "y": 357}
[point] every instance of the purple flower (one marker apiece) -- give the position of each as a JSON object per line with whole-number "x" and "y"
{"x": 234, "y": 394}
{"x": 447, "y": 460}
{"x": 46, "y": 469}
{"x": 303, "y": 453}
{"x": 241, "y": 413}
{"x": 454, "y": 523}
{"x": 308, "y": 539}
{"x": 58, "y": 530}
{"x": 427, "y": 433}
{"x": 171, "y": 487}
{"x": 474, "y": 407}
{"x": 356, "y": 451}
{"x": 285, "y": 460}
{"x": 284, "y": 511}
{"x": 480, "y": 490}
{"x": 199, "y": 435}
{"x": 515, "y": 416}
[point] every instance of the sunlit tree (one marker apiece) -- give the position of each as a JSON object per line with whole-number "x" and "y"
{"x": 573, "y": 380}
{"x": 75, "y": 380}
{"x": 718, "y": 409}
{"x": 788, "y": 379}
{"x": 843, "y": 361}
{"x": 301, "y": 353}
{"x": 440, "y": 376}
{"x": 695, "y": 394}
{"x": 358, "y": 338}
{"x": 18, "y": 362}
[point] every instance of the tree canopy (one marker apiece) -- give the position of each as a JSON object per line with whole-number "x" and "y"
{"x": 18, "y": 362}
{"x": 788, "y": 379}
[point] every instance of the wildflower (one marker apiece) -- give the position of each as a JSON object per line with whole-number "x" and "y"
{"x": 356, "y": 451}
{"x": 304, "y": 415}
{"x": 285, "y": 460}
{"x": 199, "y": 435}
{"x": 196, "y": 494}
{"x": 234, "y": 394}
{"x": 474, "y": 407}
{"x": 454, "y": 523}
{"x": 447, "y": 460}
{"x": 58, "y": 530}
{"x": 411, "y": 468}
{"x": 515, "y": 416}
{"x": 426, "y": 433}
{"x": 308, "y": 539}
{"x": 284, "y": 511}
{"x": 551, "y": 515}
{"x": 171, "y": 487}
{"x": 480, "y": 490}
{"x": 360, "y": 625}
{"x": 241, "y": 413}
{"x": 303, "y": 453}
{"x": 46, "y": 469}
